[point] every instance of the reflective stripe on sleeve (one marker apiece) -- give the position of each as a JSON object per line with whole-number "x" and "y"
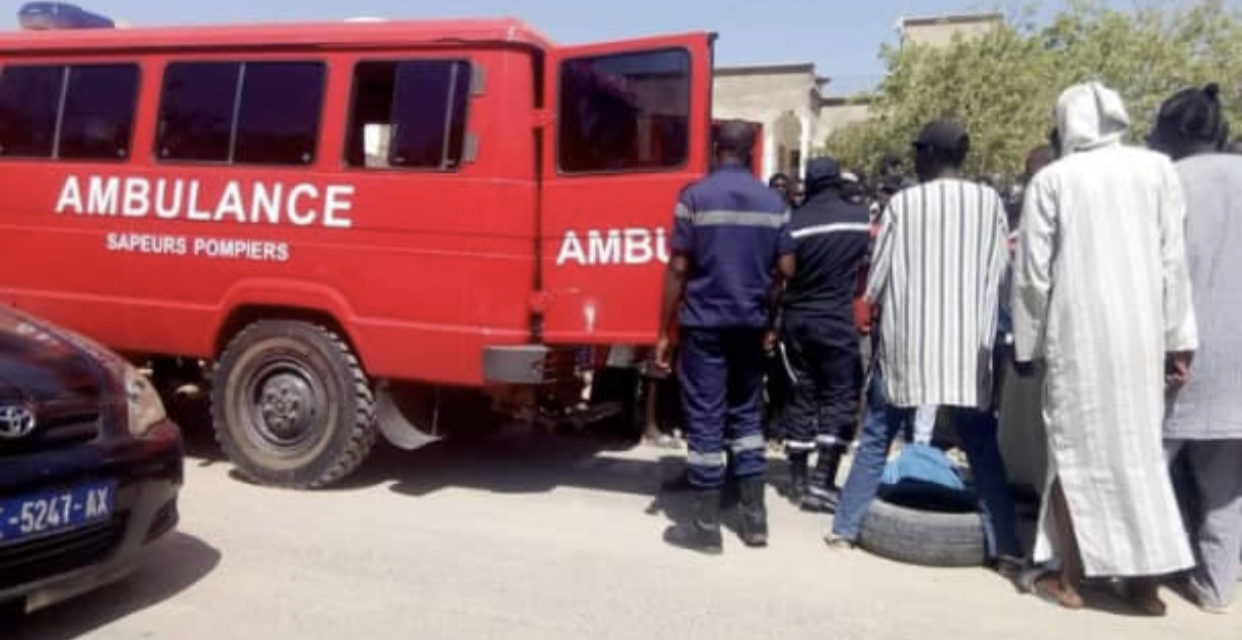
{"x": 826, "y": 441}
{"x": 739, "y": 219}
{"x": 682, "y": 212}
{"x": 789, "y": 370}
{"x": 749, "y": 443}
{"x": 824, "y": 229}
{"x": 799, "y": 446}
{"x": 709, "y": 460}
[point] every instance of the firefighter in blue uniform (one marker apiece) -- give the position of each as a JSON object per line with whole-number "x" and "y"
{"x": 731, "y": 249}
{"x": 819, "y": 338}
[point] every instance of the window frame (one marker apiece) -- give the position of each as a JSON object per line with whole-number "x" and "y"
{"x": 561, "y": 172}
{"x": 239, "y": 90}
{"x": 133, "y": 118}
{"x": 353, "y": 102}
{"x": 66, "y": 68}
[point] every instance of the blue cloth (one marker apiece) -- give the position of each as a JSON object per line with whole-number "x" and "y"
{"x": 923, "y": 463}
{"x": 733, "y": 228}
{"x": 721, "y": 375}
{"x": 977, "y": 431}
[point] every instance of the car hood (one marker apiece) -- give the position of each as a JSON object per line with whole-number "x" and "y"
{"x": 49, "y": 367}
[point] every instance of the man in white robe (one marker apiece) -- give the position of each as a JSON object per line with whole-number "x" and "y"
{"x": 1102, "y": 296}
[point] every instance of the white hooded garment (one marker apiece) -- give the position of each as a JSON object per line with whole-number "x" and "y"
{"x": 1101, "y": 294}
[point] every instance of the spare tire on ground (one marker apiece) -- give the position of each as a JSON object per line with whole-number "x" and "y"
{"x": 925, "y": 525}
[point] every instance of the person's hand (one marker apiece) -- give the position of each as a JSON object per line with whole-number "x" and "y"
{"x": 664, "y": 354}
{"x": 769, "y": 341}
{"x": 1177, "y": 369}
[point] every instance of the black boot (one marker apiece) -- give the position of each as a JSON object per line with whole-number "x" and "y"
{"x": 798, "y": 475}
{"x": 729, "y": 496}
{"x": 702, "y": 532}
{"x": 822, "y": 495}
{"x": 754, "y": 531}
{"x": 678, "y": 484}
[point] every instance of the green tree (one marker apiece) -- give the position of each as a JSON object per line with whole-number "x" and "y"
{"x": 1003, "y": 85}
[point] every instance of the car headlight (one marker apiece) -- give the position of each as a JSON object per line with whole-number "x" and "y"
{"x": 145, "y": 407}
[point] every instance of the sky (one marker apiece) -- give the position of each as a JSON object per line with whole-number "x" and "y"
{"x": 842, "y": 37}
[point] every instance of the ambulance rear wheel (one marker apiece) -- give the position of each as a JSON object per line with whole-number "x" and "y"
{"x": 291, "y": 405}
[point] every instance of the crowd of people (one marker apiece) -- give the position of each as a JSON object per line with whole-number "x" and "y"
{"x": 1107, "y": 277}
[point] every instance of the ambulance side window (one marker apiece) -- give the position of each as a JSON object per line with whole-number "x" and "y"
{"x": 624, "y": 112}
{"x": 241, "y": 112}
{"x": 196, "y": 113}
{"x": 278, "y": 119}
{"x": 75, "y": 112}
{"x": 29, "y": 105}
{"x": 98, "y": 118}
{"x": 408, "y": 114}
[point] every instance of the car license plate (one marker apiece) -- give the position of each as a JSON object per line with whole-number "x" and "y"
{"x": 51, "y": 512}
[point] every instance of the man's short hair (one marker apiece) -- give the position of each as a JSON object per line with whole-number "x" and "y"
{"x": 735, "y": 136}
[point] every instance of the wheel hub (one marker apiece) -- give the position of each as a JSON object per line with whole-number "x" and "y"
{"x": 286, "y": 403}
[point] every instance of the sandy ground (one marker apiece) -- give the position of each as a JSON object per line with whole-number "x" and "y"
{"x": 524, "y": 536}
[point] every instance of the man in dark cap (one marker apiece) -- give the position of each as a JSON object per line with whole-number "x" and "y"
{"x": 936, "y": 273}
{"x": 831, "y": 234}
{"x": 731, "y": 247}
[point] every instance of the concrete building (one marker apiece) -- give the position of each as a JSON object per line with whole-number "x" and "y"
{"x": 836, "y": 113}
{"x": 939, "y": 31}
{"x": 790, "y": 100}
{"x": 784, "y": 98}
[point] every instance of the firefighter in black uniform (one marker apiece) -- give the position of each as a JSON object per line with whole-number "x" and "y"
{"x": 819, "y": 339}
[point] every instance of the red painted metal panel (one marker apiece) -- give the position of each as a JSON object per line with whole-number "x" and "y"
{"x": 423, "y": 269}
{"x": 605, "y": 235}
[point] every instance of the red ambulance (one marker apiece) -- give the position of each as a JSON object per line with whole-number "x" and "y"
{"x": 361, "y": 226}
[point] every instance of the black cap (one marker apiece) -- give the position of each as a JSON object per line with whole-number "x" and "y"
{"x": 944, "y": 135}
{"x": 825, "y": 169}
{"x": 821, "y": 174}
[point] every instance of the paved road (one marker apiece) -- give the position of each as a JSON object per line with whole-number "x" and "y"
{"x": 529, "y": 537}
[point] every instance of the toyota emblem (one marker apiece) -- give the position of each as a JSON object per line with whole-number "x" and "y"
{"x": 16, "y": 422}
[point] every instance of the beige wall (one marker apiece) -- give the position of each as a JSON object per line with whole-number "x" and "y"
{"x": 834, "y": 117}
{"x": 786, "y": 99}
{"x": 940, "y": 34}
{"x": 761, "y": 98}
{"x": 783, "y": 101}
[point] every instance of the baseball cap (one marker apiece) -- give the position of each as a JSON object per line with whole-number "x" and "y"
{"x": 945, "y": 135}
{"x": 823, "y": 169}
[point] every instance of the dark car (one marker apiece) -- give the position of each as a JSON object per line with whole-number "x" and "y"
{"x": 90, "y": 465}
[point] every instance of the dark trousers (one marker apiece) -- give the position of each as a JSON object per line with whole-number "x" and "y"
{"x": 778, "y": 388}
{"x": 721, "y": 375}
{"x": 822, "y": 357}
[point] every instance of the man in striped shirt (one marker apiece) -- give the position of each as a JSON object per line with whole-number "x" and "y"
{"x": 936, "y": 275}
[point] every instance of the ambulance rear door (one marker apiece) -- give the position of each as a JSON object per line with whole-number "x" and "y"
{"x": 628, "y": 129}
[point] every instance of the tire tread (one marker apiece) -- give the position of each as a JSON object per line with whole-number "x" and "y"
{"x": 363, "y": 431}
{"x": 923, "y": 537}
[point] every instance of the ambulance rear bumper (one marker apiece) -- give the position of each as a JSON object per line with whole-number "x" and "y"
{"x": 528, "y": 364}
